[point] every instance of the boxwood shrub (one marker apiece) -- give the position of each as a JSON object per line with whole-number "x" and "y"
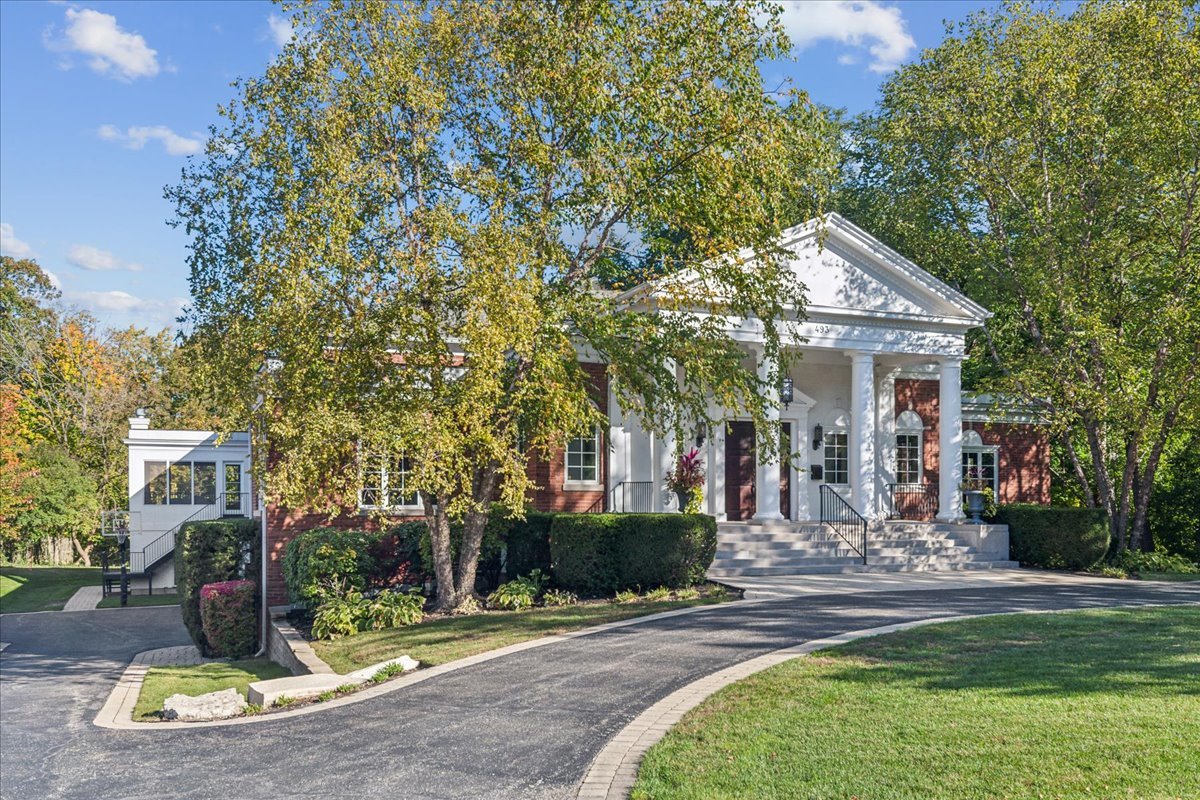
{"x": 228, "y": 616}
{"x": 528, "y": 543}
{"x": 1056, "y": 538}
{"x": 597, "y": 554}
{"x": 212, "y": 552}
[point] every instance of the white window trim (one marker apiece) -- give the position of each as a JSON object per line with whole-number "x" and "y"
{"x": 584, "y": 486}
{"x": 995, "y": 451}
{"x": 384, "y": 491}
{"x": 825, "y": 463}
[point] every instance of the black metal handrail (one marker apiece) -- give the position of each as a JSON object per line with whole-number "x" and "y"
{"x": 844, "y": 520}
{"x": 916, "y": 501}
{"x": 632, "y": 497}
{"x": 157, "y": 551}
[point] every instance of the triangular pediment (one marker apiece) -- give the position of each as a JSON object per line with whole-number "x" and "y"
{"x": 848, "y": 270}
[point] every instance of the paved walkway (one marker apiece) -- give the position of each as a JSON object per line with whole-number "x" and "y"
{"x": 525, "y": 725}
{"x": 85, "y": 598}
{"x": 766, "y": 588}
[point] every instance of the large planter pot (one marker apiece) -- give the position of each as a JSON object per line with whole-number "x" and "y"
{"x": 975, "y": 505}
{"x": 685, "y": 499}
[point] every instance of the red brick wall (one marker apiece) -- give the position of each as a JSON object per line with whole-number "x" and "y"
{"x": 1024, "y": 459}
{"x": 549, "y": 474}
{"x": 1024, "y": 454}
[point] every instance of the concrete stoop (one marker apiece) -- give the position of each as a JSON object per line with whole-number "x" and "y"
{"x": 800, "y": 548}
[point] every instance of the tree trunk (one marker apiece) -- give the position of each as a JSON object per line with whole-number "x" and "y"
{"x": 443, "y": 562}
{"x": 483, "y": 489}
{"x": 85, "y": 553}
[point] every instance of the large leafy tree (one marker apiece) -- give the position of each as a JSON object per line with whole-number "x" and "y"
{"x": 1049, "y": 164}
{"x": 414, "y": 210}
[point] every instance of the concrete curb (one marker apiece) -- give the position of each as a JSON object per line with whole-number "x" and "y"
{"x": 614, "y": 769}
{"x": 117, "y": 712}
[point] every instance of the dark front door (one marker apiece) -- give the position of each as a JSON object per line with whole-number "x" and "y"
{"x": 739, "y": 471}
{"x": 785, "y": 471}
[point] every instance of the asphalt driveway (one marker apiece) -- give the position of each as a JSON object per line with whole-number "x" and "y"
{"x": 522, "y": 726}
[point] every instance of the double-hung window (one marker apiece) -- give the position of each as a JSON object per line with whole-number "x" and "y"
{"x": 909, "y": 432}
{"x": 837, "y": 458}
{"x": 583, "y": 460}
{"x": 387, "y": 482}
{"x": 979, "y": 463}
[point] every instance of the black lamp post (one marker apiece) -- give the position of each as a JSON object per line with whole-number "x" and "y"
{"x": 123, "y": 551}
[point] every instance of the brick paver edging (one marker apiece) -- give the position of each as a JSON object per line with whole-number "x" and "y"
{"x": 117, "y": 712}
{"x": 614, "y": 770}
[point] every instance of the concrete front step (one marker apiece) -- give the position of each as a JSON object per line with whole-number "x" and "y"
{"x": 744, "y": 562}
{"x": 753, "y": 572}
{"x": 776, "y": 536}
{"x": 799, "y": 546}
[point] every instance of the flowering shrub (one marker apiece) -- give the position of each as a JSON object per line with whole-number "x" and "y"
{"x": 227, "y": 614}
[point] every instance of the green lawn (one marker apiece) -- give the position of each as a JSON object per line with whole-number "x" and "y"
{"x": 448, "y": 638}
{"x": 42, "y": 588}
{"x": 1068, "y": 705}
{"x": 162, "y": 682}
{"x": 114, "y": 600}
{"x": 1169, "y": 576}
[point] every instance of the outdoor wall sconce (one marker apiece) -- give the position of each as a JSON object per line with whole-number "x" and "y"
{"x": 785, "y": 392}
{"x": 701, "y": 435}
{"x": 818, "y": 437}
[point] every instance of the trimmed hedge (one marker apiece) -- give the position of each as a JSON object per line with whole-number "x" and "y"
{"x": 528, "y": 543}
{"x": 1056, "y": 538}
{"x": 212, "y": 552}
{"x": 227, "y": 614}
{"x": 600, "y": 554}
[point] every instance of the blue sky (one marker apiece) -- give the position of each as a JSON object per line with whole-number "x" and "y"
{"x": 101, "y": 103}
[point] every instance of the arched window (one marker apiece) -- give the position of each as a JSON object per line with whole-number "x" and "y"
{"x": 910, "y": 432}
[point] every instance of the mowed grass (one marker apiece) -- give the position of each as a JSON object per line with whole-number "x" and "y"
{"x": 162, "y": 682}
{"x": 448, "y": 638}
{"x": 114, "y": 600}
{"x": 1067, "y": 705}
{"x": 42, "y": 588}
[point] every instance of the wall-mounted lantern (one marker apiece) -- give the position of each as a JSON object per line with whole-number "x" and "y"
{"x": 701, "y": 435}
{"x": 785, "y": 392}
{"x": 818, "y": 437}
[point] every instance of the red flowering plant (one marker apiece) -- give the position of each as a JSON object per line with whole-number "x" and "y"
{"x": 686, "y": 480}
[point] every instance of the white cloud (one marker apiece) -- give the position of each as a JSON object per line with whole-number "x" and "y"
{"x": 135, "y": 138}
{"x": 280, "y": 29}
{"x": 855, "y": 23}
{"x": 54, "y": 281}
{"x": 94, "y": 259}
{"x": 110, "y": 51}
{"x": 139, "y": 310}
{"x": 10, "y": 245}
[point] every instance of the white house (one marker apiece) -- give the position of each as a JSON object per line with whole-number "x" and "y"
{"x": 176, "y": 476}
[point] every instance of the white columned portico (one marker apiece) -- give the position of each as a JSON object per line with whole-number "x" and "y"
{"x": 767, "y": 473}
{"x": 862, "y": 433}
{"x": 950, "y": 439}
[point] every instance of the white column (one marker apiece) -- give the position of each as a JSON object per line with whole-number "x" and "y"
{"x": 715, "y": 496}
{"x": 885, "y": 421}
{"x": 802, "y": 477}
{"x": 862, "y": 434}
{"x": 766, "y": 476}
{"x": 950, "y": 439}
{"x": 665, "y": 456}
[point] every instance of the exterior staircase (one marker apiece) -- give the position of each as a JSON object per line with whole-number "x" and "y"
{"x": 746, "y": 549}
